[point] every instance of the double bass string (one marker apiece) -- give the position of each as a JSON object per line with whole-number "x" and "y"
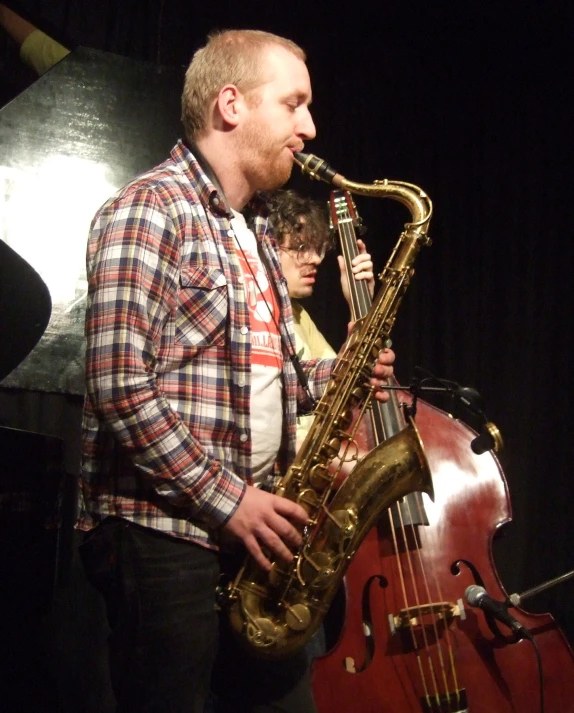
{"x": 442, "y": 603}
{"x": 360, "y": 304}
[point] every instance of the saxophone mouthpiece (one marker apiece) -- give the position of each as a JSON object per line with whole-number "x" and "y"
{"x": 300, "y": 157}
{"x": 316, "y": 168}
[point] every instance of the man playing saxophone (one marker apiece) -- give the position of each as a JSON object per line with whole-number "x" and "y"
{"x": 192, "y": 394}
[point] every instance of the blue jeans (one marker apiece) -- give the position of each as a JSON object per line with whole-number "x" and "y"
{"x": 160, "y": 597}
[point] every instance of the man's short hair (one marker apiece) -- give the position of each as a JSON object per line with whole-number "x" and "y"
{"x": 229, "y": 57}
{"x": 286, "y": 208}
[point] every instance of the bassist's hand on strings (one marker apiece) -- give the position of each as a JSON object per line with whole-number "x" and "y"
{"x": 362, "y": 268}
{"x": 381, "y": 372}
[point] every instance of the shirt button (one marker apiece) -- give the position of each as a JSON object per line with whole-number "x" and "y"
{"x": 240, "y": 279}
{"x": 241, "y": 383}
{"x": 244, "y": 330}
{"x": 231, "y": 233}
{"x": 243, "y": 437}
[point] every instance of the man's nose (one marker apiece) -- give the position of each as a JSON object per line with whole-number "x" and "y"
{"x": 306, "y": 127}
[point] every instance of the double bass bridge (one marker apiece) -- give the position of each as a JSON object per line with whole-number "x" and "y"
{"x": 426, "y": 615}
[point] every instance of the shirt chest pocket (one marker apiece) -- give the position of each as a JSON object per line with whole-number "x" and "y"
{"x": 202, "y": 307}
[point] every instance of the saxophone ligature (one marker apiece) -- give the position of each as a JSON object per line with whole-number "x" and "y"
{"x": 275, "y": 614}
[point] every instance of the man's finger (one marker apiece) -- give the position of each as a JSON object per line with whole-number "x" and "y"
{"x": 291, "y": 510}
{"x": 276, "y": 545}
{"x": 285, "y": 530}
{"x": 252, "y": 546}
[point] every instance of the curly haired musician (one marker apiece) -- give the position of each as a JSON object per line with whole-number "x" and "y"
{"x": 302, "y": 232}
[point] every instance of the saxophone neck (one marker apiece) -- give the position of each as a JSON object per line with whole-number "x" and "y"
{"x": 411, "y": 196}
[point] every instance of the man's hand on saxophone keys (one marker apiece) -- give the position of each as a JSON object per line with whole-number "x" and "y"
{"x": 264, "y": 521}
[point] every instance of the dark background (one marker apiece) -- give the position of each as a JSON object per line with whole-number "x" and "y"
{"x": 471, "y": 101}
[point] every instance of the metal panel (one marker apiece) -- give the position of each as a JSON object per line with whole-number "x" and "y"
{"x": 66, "y": 144}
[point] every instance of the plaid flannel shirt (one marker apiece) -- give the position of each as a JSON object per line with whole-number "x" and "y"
{"x": 166, "y": 437}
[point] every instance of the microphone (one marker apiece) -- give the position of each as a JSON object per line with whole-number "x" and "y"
{"x": 489, "y": 439}
{"x": 477, "y": 596}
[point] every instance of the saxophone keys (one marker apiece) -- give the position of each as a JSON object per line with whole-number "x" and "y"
{"x": 317, "y": 570}
{"x": 262, "y": 632}
{"x": 278, "y": 574}
{"x": 297, "y": 617}
{"x": 378, "y": 345}
{"x": 341, "y": 525}
{"x": 331, "y": 448}
{"x": 319, "y": 478}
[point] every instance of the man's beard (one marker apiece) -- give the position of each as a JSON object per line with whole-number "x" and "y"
{"x": 265, "y": 164}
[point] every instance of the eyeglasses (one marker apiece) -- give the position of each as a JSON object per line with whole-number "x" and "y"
{"x": 304, "y": 252}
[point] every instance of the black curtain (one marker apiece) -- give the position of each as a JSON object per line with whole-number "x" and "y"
{"x": 472, "y": 102}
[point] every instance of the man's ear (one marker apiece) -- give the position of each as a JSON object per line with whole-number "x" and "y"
{"x": 229, "y": 104}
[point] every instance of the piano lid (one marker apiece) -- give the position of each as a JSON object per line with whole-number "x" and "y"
{"x": 67, "y": 143}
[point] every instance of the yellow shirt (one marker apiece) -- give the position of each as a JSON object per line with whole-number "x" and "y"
{"x": 309, "y": 344}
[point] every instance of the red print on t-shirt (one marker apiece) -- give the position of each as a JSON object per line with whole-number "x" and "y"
{"x": 263, "y": 312}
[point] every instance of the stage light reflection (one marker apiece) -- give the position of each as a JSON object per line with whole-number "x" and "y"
{"x": 46, "y": 216}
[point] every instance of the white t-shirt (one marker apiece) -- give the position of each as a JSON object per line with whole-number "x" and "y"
{"x": 266, "y": 354}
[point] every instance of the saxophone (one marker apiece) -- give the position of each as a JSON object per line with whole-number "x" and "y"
{"x": 275, "y": 614}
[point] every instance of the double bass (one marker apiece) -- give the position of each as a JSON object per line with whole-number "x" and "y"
{"x": 410, "y": 643}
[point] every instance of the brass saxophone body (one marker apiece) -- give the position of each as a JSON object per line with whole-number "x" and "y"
{"x": 276, "y": 613}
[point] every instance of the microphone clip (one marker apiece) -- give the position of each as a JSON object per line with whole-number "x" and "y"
{"x": 477, "y": 596}
{"x": 489, "y": 437}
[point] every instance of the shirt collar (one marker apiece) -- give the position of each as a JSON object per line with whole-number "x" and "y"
{"x": 204, "y": 179}
{"x": 208, "y": 186}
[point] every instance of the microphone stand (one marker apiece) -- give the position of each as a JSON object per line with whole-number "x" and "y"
{"x": 515, "y": 600}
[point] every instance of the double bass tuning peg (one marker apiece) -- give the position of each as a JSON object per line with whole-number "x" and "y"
{"x": 360, "y": 228}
